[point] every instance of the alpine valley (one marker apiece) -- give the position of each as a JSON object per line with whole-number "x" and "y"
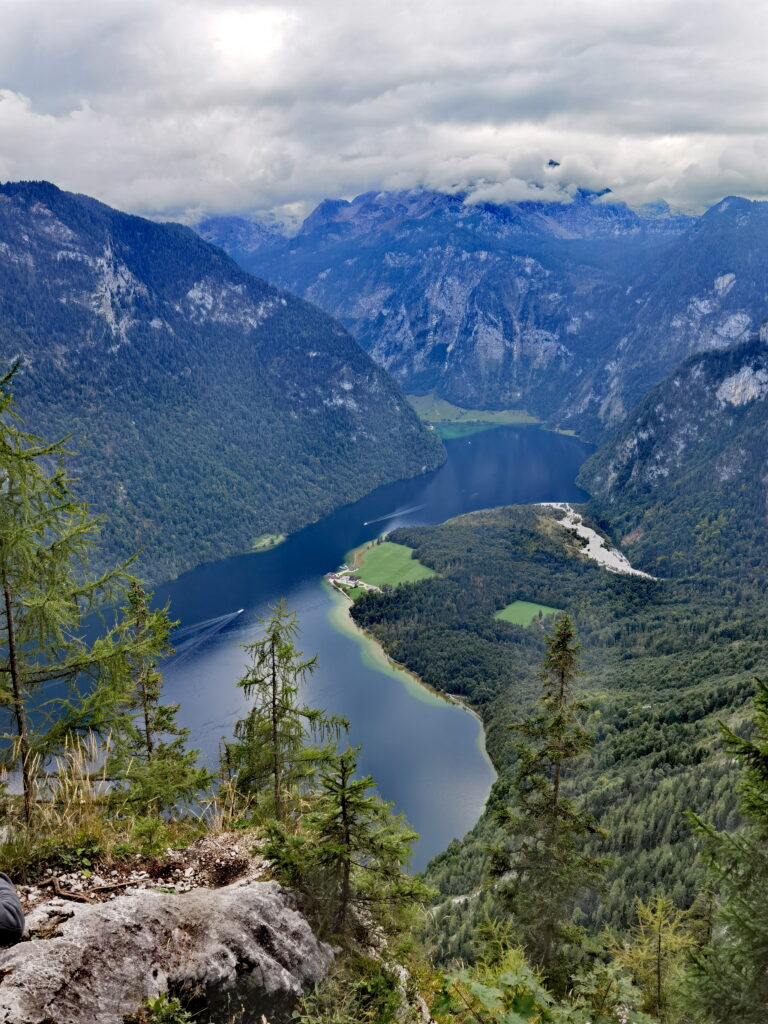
{"x": 608, "y": 632}
{"x": 568, "y": 310}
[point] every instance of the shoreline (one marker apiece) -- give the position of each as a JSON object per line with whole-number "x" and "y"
{"x": 342, "y": 619}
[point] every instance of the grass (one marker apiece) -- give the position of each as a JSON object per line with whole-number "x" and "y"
{"x": 267, "y": 541}
{"x": 436, "y": 410}
{"x": 522, "y": 613}
{"x": 389, "y": 563}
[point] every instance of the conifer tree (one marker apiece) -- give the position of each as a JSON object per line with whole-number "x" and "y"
{"x": 46, "y": 537}
{"x": 350, "y": 851}
{"x": 543, "y": 866}
{"x": 655, "y": 952}
{"x": 361, "y": 846}
{"x": 731, "y": 972}
{"x": 149, "y": 763}
{"x": 271, "y": 755}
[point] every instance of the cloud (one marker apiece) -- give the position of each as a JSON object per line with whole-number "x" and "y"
{"x": 178, "y": 106}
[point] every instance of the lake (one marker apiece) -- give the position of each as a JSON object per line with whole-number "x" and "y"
{"x": 425, "y": 753}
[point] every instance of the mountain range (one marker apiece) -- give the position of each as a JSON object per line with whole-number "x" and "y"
{"x": 205, "y": 407}
{"x": 569, "y": 310}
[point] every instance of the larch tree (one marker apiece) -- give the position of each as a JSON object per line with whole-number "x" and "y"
{"x": 273, "y": 754}
{"x": 46, "y": 592}
{"x": 151, "y": 768}
{"x": 350, "y": 851}
{"x": 655, "y": 953}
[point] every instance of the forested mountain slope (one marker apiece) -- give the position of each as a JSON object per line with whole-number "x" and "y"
{"x": 205, "y": 406}
{"x": 682, "y": 487}
{"x": 683, "y": 483}
{"x": 663, "y": 662}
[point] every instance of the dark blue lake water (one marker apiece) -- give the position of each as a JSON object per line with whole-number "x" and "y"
{"x": 426, "y": 754}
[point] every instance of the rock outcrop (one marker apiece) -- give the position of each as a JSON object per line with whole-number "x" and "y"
{"x": 232, "y": 953}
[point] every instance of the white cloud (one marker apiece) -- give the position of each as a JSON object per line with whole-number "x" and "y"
{"x": 172, "y": 106}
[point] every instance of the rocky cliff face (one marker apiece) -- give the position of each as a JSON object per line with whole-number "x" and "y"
{"x": 684, "y": 481}
{"x": 707, "y": 290}
{"x": 570, "y": 310}
{"x": 490, "y": 306}
{"x": 205, "y": 406}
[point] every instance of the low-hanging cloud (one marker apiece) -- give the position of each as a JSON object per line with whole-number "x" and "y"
{"x": 181, "y": 106}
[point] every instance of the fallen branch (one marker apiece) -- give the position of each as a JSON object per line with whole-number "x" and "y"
{"x": 66, "y": 894}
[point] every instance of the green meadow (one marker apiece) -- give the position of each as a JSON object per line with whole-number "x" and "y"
{"x": 522, "y": 613}
{"x": 445, "y": 414}
{"x": 389, "y": 563}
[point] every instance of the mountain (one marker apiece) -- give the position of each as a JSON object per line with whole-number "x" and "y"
{"x": 238, "y": 237}
{"x": 570, "y": 310}
{"x": 490, "y": 306}
{"x": 707, "y": 290}
{"x": 205, "y": 407}
{"x": 683, "y": 483}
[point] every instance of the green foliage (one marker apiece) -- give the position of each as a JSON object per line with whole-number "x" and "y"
{"x": 78, "y": 856}
{"x": 359, "y": 991}
{"x": 161, "y": 1010}
{"x": 151, "y": 769}
{"x": 46, "y": 538}
{"x": 269, "y": 759}
{"x": 663, "y": 661}
{"x": 350, "y": 851}
{"x": 730, "y": 981}
{"x": 543, "y": 867}
{"x": 655, "y": 954}
{"x": 149, "y": 836}
{"x": 509, "y": 991}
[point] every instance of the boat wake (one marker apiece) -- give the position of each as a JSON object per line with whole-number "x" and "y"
{"x": 394, "y": 515}
{"x": 189, "y": 639}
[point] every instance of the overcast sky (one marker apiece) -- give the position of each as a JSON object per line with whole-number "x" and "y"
{"x": 174, "y": 107}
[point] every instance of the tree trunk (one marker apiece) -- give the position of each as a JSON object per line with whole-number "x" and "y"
{"x": 18, "y": 704}
{"x": 346, "y": 889}
{"x": 275, "y": 750}
{"x": 658, "y": 970}
{"x": 141, "y": 621}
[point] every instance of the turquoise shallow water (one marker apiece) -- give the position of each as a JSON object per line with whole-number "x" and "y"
{"x": 425, "y": 753}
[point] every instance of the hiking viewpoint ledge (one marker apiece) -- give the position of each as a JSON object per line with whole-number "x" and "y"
{"x": 243, "y": 949}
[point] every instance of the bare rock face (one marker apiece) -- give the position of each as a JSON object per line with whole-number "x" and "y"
{"x": 242, "y": 951}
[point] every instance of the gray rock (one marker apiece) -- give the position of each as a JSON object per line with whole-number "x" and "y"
{"x": 244, "y": 947}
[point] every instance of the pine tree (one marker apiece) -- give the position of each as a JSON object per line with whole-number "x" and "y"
{"x": 46, "y": 537}
{"x": 270, "y": 756}
{"x": 543, "y": 866}
{"x": 731, "y": 973}
{"x": 152, "y": 769}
